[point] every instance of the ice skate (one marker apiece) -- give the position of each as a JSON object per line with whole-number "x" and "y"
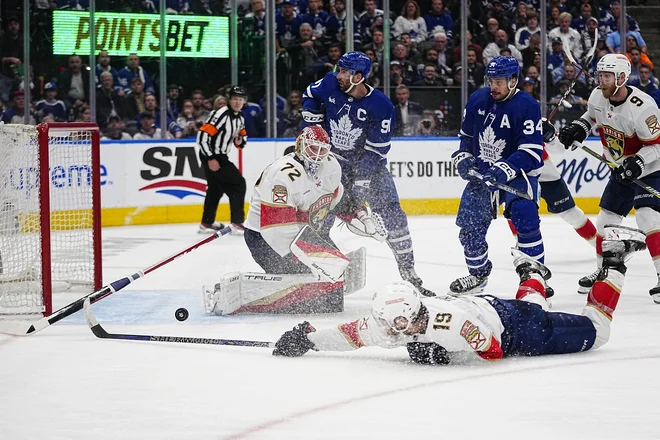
{"x": 655, "y": 292}
{"x": 205, "y": 228}
{"x": 525, "y": 265}
{"x": 468, "y": 285}
{"x": 237, "y": 229}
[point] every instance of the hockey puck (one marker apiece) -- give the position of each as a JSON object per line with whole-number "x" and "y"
{"x": 181, "y": 314}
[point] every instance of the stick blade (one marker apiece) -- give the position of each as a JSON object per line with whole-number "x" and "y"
{"x": 16, "y": 328}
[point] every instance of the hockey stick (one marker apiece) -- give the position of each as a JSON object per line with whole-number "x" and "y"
{"x": 100, "y": 332}
{"x": 589, "y": 58}
{"x": 649, "y": 189}
{"x": 25, "y": 328}
{"x": 501, "y": 186}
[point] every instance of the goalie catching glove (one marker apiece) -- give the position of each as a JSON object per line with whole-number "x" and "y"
{"x": 365, "y": 223}
{"x": 294, "y": 343}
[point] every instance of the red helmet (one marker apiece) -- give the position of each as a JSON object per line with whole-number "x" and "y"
{"x": 313, "y": 146}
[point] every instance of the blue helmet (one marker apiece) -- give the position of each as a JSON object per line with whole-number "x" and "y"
{"x": 502, "y": 67}
{"x": 357, "y": 62}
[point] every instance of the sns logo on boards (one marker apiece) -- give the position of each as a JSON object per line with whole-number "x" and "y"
{"x": 173, "y": 171}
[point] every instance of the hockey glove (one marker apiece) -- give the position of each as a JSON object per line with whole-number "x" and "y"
{"x": 500, "y": 172}
{"x": 631, "y": 168}
{"x": 427, "y": 353}
{"x": 574, "y": 134}
{"x": 464, "y": 162}
{"x": 294, "y": 343}
{"x": 549, "y": 131}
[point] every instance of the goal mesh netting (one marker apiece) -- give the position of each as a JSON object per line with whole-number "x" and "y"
{"x": 49, "y": 239}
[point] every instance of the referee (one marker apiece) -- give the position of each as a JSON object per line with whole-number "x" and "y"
{"x": 224, "y": 128}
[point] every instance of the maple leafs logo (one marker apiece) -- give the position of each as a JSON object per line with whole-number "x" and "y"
{"x": 342, "y": 134}
{"x": 490, "y": 148}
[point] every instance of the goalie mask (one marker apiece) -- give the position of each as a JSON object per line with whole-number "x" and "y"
{"x": 396, "y": 305}
{"x": 313, "y": 147}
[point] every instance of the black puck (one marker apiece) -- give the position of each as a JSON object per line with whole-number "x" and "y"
{"x": 181, "y": 314}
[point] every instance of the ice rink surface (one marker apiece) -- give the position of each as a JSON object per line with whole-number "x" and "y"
{"x": 63, "y": 383}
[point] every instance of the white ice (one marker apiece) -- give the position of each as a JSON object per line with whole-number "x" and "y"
{"x": 63, "y": 383}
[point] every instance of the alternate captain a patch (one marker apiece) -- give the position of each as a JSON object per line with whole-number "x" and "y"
{"x": 280, "y": 194}
{"x": 615, "y": 141}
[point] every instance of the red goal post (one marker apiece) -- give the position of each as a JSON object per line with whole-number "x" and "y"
{"x": 50, "y": 214}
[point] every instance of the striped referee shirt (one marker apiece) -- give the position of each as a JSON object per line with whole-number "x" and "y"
{"x": 216, "y": 136}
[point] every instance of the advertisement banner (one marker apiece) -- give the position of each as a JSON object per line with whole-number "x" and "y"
{"x": 164, "y": 180}
{"x": 121, "y": 34}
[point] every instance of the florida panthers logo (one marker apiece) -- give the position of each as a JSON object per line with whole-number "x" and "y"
{"x": 319, "y": 210}
{"x": 615, "y": 141}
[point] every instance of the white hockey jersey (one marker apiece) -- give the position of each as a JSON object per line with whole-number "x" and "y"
{"x": 466, "y": 323}
{"x": 285, "y": 198}
{"x": 630, "y": 128}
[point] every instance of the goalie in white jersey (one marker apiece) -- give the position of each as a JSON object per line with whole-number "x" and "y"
{"x": 629, "y": 128}
{"x": 289, "y": 205}
{"x": 492, "y": 328}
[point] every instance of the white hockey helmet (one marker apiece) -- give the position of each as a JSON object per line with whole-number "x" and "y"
{"x": 616, "y": 64}
{"x": 313, "y": 146}
{"x": 396, "y": 305}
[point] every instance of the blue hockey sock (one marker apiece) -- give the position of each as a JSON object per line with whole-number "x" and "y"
{"x": 525, "y": 217}
{"x": 475, "y": 250}
{"x": 401, "y": 244}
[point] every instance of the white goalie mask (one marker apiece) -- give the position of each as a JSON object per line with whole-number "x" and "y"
{"x": 395, "y": 306}
{"x": 313, "y": 147}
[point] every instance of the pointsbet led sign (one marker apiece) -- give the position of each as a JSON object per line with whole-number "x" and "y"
{"x": 122, "y": 34}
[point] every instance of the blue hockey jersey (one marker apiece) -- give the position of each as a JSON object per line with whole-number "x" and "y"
{"x": 510, "y": 130}
{"x": 360, "y": 129}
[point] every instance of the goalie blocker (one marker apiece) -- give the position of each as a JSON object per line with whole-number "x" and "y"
{"x": 330, "y": 276}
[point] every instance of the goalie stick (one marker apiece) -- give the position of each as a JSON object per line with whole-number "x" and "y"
{"x": 100, "y": 332}
{"x": 22, "y": 328}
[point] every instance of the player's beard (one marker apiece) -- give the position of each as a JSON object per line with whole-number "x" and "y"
{"x": 344, "y": 86}
{"x": 607, "y": 91}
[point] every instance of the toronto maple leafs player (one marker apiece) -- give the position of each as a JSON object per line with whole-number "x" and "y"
{"x": 501, "y": 138}
{"x": 555, "y": 192}
{"x": 360, "y": 120}
{"x": 628, "y": 123}
{"x": 443, "y": 329}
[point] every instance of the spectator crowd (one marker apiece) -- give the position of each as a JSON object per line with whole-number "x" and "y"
{"x": 425, "y": 62}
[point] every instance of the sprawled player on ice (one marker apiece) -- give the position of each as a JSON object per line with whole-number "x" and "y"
{"x": 304, "y": 271}
{"x": 360, "y": 122}
{"x": 434, "y": 329}
{"x": 629, "y": 128}
{"x": 501, "y": 138}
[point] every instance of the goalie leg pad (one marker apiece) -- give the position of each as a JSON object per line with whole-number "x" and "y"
{"x": 324, "y": 260}
{"x": 269, "y": 260}
{"x": 272, "y": 293}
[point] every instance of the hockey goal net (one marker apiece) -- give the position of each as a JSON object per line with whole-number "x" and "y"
{"x": 50, "y": 232}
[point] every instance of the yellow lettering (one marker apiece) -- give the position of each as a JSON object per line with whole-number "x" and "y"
{"x": 125, "y": 35}
{"x": 83, "y": 32}
{"x": 155, "y": 30}
{"x": 142, "y": 22}
{"x": 102, "y": 25}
